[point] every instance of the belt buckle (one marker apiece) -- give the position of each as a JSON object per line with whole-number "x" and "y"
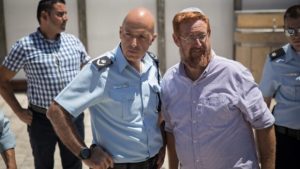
{"x": 38, "y": 109}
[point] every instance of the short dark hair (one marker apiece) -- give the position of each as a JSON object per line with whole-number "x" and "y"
{"x": 46, "y": 5}
{"x": 292, "y": 12}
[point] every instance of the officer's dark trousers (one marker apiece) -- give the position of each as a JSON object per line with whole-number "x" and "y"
{"x": 43, "y": 141}
{"x": 287, "y": 152}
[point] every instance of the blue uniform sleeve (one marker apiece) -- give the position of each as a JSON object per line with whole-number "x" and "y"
{"x": 82, "y": 92}
{"x": 267, "y": 84}
{"x": 7, "y": 138}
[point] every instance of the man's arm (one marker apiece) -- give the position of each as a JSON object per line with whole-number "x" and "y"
{"x": 9, "y": 158}
{"x": 268, "y": 101}
{"x": 162, "y": 151}
{"x": 266, "y": 146}
{"x": 7, "y": 93}
{"x": 173, "y": 159}
{"x": 65, "y": 130}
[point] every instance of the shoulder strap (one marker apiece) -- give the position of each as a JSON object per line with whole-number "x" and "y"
{"x": 155, "y": 59}
{"x": 276, "y": 53}
{"x": 102, "y": 62}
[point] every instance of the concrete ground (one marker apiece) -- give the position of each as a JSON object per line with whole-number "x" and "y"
{"x": 23, "y": 150}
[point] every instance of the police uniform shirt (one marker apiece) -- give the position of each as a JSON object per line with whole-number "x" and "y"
{"x": 123, "y": 105}
{"x": 281, "y": 80}
{"x": 7, "y": 138}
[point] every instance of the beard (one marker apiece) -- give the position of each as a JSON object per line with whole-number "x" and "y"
{"x": 197, "y": 58}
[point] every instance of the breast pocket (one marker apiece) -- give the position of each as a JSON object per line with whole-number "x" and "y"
{"x": 122, "y": 102}
{"x": 290, "y": 88}
{"x": 217, "y": 111}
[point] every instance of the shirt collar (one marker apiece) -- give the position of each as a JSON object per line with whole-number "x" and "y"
{"x": 291, "y": 54}
{"x": 40, "y": 34}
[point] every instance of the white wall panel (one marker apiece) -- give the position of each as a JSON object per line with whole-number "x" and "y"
{"x": 104, "y": 19}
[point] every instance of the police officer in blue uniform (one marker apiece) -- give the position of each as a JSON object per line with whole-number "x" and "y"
{"x": 121, "y": 89}
{"x": 281, "y": 81}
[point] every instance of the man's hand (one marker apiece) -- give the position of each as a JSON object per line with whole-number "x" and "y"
{"x": 9, "y": 158}
{"x": 99, "y": 159}
{"x": 25, "y": 115}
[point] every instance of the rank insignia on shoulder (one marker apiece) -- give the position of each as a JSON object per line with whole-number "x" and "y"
{"x": 276, "y": 53}
{"x": 102, "y": 62}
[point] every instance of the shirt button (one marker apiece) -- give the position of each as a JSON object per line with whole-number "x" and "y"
{"x": 194, "y": 141}
{"x": 194, "y": 121}
{"x": 197, "y": 161}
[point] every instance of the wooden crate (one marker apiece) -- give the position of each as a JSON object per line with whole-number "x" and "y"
{"x": 259, "y": 19}
{"x": 257, "y": 33}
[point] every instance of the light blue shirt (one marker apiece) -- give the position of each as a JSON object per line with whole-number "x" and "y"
{"x": 212, "y": 118}
{"x": 123, "y": 105}
{"x": 7, "y": 138}
{"x": 281, "y": 80}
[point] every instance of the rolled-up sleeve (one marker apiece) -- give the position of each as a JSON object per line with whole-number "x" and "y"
{"x": 7, "y": 138}
{"x": 252, "y": 103}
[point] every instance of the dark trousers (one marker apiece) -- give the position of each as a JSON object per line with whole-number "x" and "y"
{"x": 43, "y": 141}
{"x": 148, "y": 164}
{"x": 287, "y": 152}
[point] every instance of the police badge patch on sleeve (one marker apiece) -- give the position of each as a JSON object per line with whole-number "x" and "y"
{"x": 102, "y": 62}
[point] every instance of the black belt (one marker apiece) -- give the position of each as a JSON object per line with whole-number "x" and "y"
{"x": 139, "y": 165}
{"x": 288, "y": 132}
{"x": 37, "y": 108}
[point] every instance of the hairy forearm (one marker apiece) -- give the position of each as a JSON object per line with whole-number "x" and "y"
{"x": 173, "y": 160}
{"x": 64, "y": 128}
{"x": 268, "y": 101}
{"x": 6, "y": 89}
{"x": 266, "y": 145}
{"x": 9, "y": 158}
{"x": 7, "y": 93}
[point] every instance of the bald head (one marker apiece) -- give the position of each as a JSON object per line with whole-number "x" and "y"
{"x": 137, "y": 35}
{"x": 140, "y": 18}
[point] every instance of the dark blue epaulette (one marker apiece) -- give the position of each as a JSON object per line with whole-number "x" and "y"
{"x": 276, "y": 53}
{"x": 153, "y": 56}
{"x": 102, "y": 62}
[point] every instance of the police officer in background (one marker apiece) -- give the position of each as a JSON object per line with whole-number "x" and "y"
{"x": 281, "y": 81}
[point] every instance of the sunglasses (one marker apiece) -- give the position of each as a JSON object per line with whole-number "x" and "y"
{"x": 291, "y": 32}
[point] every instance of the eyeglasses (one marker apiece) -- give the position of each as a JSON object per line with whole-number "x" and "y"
{"x": 193, "y": 38}
{"x": 291, "y": 32}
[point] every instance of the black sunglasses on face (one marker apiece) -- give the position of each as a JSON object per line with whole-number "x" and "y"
{"x": 291, "y": 32}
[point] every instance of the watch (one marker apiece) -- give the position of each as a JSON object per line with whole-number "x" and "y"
{"x": 85, "y": 153}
